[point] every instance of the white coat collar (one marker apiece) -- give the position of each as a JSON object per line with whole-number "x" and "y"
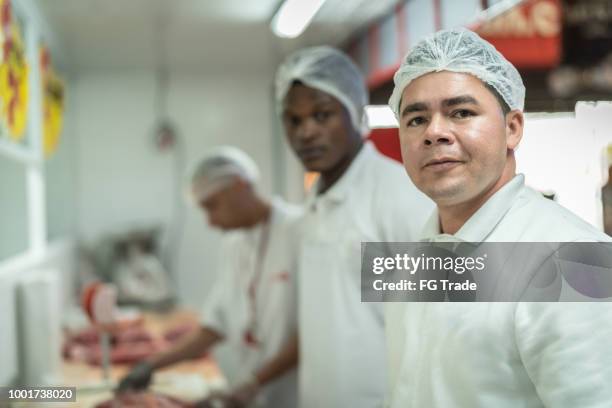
{"x": 338, "y": 192}
{"x": 482, "y": 223}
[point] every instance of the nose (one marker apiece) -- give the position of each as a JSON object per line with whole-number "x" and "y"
{"x": 438, "y": 132}
{"x": 307, "y": 130}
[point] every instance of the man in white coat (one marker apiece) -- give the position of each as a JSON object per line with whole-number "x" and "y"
{"x": 360, "y": 196}
{"x": 459, "y": 103}
{"x": 252, "y": 305}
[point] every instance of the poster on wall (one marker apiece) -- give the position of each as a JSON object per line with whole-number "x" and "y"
{"x": 13, "y": 76}
{"x": 53, "y": 103}
{"x": 528, "y": 35}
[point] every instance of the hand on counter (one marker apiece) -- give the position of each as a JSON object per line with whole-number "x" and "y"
{"x": 138, "y": 378}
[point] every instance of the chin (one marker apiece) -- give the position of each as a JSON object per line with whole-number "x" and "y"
{"x": 315, "y": 166}
{"x": 445, "y": 193}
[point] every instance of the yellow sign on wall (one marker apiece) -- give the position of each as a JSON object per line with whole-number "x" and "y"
{"x": 13, "y": 76}
{"x": 53, "y": 103}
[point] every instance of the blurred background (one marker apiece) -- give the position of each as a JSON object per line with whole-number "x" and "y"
{"x": 106, "y": 104}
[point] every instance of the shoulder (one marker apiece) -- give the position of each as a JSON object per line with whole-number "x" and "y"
{"x": 399, "y": 208}
{"x": 380, "y": 163}
{"x": 284, "y": 212}
{"x": 381, "y": 172}
{"x": 394, "y": 186}
{"x": 546, "y": 220}
{"x": 286, "y": 221}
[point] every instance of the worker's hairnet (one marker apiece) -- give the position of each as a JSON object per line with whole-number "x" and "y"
{"x": 218, "y": 168}
{"x": 459, "y": 50}
{"x": 328, "y": 70}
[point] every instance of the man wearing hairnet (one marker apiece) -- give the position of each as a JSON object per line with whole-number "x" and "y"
{"x": 251, "y": 305}
{"x": 360, "y": 196}
{"x": 459, "y": 103}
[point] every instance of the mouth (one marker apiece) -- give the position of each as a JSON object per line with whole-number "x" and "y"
{"x": 311, "y": 153}
{"x": 443, "y": 163}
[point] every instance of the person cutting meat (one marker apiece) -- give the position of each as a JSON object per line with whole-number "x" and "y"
{"x": 251, "y": 306}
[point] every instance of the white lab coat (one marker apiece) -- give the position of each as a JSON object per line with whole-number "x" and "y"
{"x": 342, "y": 342}
{"x": 503, "y": 355}
{"x": 228, "y": 308}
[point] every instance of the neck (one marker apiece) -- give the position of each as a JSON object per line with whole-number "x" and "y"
{"x": 453, "y": 217}
{"x": 259, "y": 212}
{"x": 330, "y": 177}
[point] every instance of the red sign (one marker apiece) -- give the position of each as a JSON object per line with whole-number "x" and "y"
{"x": 528, "y": 35}
{"x": 387, "y": 142}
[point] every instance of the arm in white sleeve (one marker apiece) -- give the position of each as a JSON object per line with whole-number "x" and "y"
{"x": 214, "y": 310}
{"x": 567, "y": 351}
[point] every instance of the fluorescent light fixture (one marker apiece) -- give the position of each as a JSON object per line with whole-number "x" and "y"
{"x": 293, "y": 17}
{"x": 380, "y": 116}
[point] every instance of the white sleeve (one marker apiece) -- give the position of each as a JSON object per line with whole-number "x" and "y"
{"x": 214, "y": 315}
{"x": 567, "y": 351}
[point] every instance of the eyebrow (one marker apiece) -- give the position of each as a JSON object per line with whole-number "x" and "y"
{"x": 414, "y": 107}
{"x": 457, "y": 100}
{"x": 322, "y": 104}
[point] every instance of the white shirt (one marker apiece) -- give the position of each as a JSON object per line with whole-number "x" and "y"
{"x": 231, "y": 309}
{"x": 341, "y": 339}
{"x": 503, "y": 355}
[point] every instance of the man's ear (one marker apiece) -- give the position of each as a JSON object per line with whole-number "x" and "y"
{"x": 514, "y": 128}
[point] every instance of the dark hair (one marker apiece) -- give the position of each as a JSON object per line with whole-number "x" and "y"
{"x": 504, "y": 106}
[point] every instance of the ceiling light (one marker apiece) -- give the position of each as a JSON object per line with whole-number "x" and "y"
{"x": 293, "y": 17}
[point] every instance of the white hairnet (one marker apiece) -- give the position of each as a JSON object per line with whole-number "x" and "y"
{"x": 218, "y": 168}
{"x": 328, "y": 70}
{"x": 459, "y": 50}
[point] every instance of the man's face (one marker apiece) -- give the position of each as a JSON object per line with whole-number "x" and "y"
{"x": 455, "y": 138}
{"x": 223, "y": 208}
{"x": 318, "y": 128}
